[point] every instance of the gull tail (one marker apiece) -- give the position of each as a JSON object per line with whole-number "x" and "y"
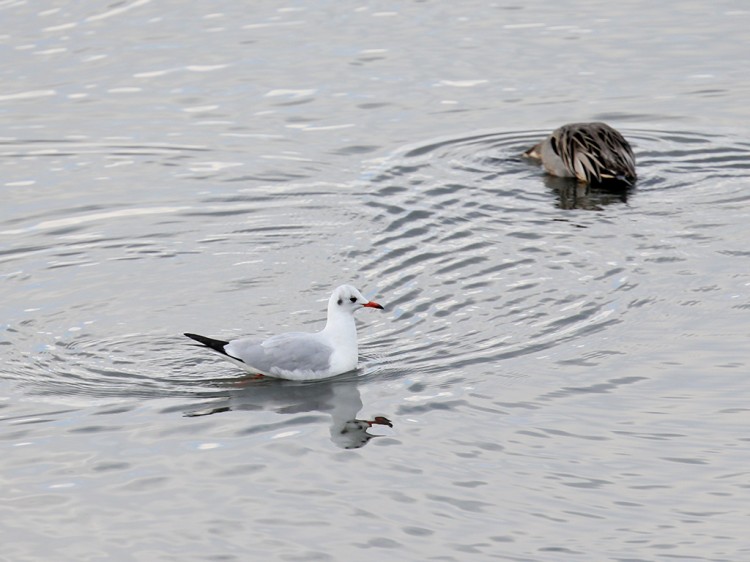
{"x": 216, "y": 345}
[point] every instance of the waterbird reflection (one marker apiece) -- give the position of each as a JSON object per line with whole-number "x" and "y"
{"x": 573, "y": 194}
{"x": 338, "y": 397}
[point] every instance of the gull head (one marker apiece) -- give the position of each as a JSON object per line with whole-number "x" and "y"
{"x": 346, "y": 298}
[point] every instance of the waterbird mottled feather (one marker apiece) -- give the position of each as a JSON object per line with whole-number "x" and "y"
{"x": 590, "y": 152}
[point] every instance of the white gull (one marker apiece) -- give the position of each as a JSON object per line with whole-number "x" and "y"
{"x": 302, "y": 355}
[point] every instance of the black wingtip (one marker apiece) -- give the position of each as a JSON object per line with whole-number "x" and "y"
{"x": 216, "y": 345}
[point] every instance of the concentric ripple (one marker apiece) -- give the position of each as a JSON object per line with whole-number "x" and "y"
{"x": 490, "y": 259}
{"x": 484, "y": 263}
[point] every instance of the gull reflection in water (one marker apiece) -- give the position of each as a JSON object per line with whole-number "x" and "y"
{"x": 339, "y": 397}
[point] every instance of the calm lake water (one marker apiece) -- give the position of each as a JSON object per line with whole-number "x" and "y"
{"x": 565, "y": 370}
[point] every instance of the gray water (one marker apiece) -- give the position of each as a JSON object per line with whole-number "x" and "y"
{"x": 565, "y": 370}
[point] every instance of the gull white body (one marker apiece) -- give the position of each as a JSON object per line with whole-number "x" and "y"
{"x": 302, "y": 355}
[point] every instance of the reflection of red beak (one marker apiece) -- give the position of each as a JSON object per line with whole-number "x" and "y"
{"x": 372, "y": 304}
{"x": 380, "y": 420}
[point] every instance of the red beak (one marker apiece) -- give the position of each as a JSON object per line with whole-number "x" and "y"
{"x": 373, "y": 304}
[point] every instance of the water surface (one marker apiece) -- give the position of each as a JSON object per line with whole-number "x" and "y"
{"x": 564, "y": 368}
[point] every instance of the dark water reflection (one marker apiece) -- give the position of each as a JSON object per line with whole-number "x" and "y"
{"x": 572, "y": 195}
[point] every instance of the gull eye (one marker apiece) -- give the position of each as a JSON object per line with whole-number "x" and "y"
{"x": 353, "y": 299}
{"x": 339, "y": 301}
